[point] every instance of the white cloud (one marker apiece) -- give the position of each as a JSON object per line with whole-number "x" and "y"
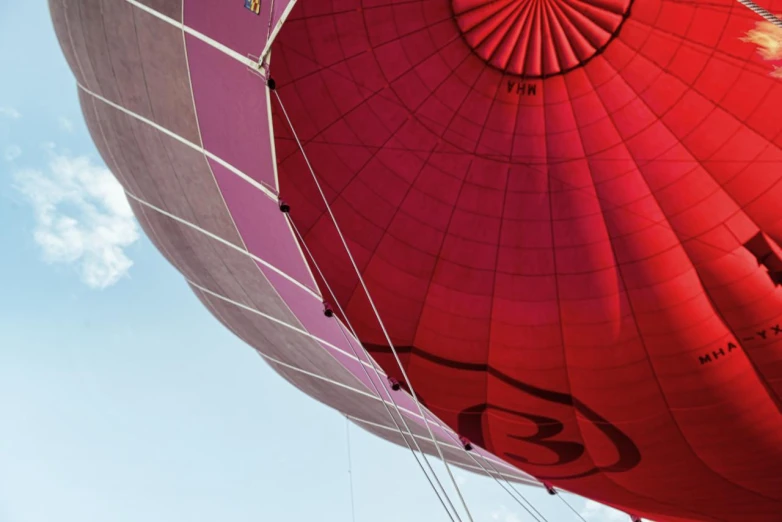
{"x": 10, "y": 112}
{"x": 65, "y": 124}
{"x": 595, "y": 512}
{"x": 11, "y": 153}
{"x": 82, "y": 217}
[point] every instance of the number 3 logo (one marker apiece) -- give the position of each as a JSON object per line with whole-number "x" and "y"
{"x": 566, "y": 451}
{"x": 470, "y": 424}
{"x": 548, "y": 429}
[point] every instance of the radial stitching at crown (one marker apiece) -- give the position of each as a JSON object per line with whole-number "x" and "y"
{"x": 510, "y": 34}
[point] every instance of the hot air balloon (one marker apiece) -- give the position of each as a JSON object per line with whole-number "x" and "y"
{"x": 554, "y": 225}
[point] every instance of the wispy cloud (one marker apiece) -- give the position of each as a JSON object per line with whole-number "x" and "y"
{"x": 65, "y": 124}
{"x": 595, "y": 512}
{"x": 10, "y": 112}
{"x": 82, "y": 217}
{"x": 11, "y": 153}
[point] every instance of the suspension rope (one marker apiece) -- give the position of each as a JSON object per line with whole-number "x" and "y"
{"x": 374, "y": 309}
{"x": 518, "y": 494}
{"x": 513, "y": 487}
{"x": 770, "y": 18}
{"x": 375, "y": 386}
{"x": 516, "y": 491}
{"x": 350, "y": 470}
{"x": 268, "y": 32}
{"x": 537, "y": 515}
{"x": 445, "y": 503}
{"x": 569, "y": 505}
{"x": 522, "y": 502}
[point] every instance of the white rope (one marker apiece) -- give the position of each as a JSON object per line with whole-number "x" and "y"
{"x": 770, "y": 18}
{"x": 168, "y": 132}
{"x": 350, "y": 471}
{"x": 518, "y": 494}
{"x": 275, "y": 30}
{"x": 415, "y": 442}
{"x": 374, "y": 385}
{"x": 374, "y": 308}
{"x": 521, "y": 500}
{"x": 519, "y": 478}
{"x": 574, "y": 510}
{"x": 268, "y": 30}
{"x": 225, "y": 242}
{"x": 494, "y": 475}
{"x": 192, "y": 32}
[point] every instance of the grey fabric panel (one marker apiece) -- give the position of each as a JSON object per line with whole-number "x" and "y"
{"x": 85, "y": 18}
{"x": 66, "y": 18}
{"x": 129, "y": 57}
{"x": 213, "y": 265}
{"x": 170, "y": 8}
{"x": 278, "y": 341}
{"x": 159, "y": 169}
{"x": 303, "y": 352}
{"x": 165, "y": 75}
{"x": 118, "y": 64}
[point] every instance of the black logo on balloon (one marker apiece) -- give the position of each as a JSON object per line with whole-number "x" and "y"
{"x": 548, "y": 429}
{"x": 766, "y": 256}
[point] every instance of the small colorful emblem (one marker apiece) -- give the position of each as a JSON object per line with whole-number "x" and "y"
{"x": 253, "y": 5}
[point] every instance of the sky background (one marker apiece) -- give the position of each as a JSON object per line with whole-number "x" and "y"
{"x": 122, "y": 399}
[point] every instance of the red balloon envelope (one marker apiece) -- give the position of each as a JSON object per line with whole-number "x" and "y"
{"x": 568, "y": 214}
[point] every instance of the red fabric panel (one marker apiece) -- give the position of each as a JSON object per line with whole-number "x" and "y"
{"x": 579, "y": 270}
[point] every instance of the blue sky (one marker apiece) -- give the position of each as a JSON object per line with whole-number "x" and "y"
{"x": 122, "y": 399}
